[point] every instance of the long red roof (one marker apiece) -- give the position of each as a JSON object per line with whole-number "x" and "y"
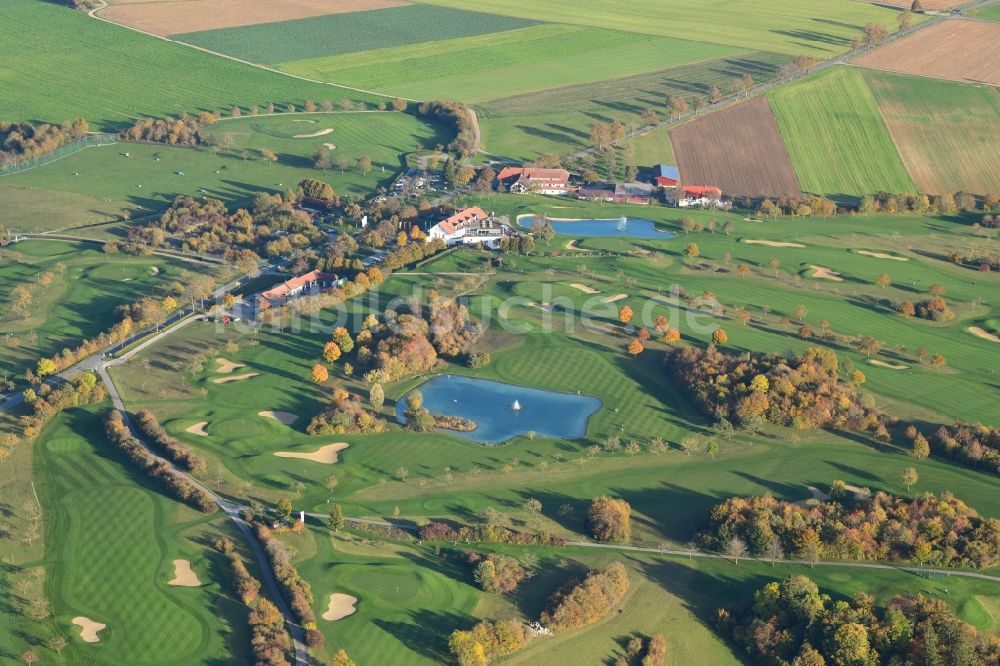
{"x": 288, "y": 286}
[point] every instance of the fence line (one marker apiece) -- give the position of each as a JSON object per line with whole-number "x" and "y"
{"x": 75, "y": 146}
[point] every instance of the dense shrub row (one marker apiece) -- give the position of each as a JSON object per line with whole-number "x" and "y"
{"x": 973, "y": 444}
{"x": 23, "y": 140}
{"x": 488, "y": 640}
{"x": 173, "y": 450}
{"x": 183, "y": 131}
{"x": 47, "y": 402}
{"x": 155, "y": 468}
{"x": 486, "y": 533}
{"x": 496, "y": 573}
{"x": 457, "y": 115}
{"x": 297, "y": 589}
{"x": 583, "y": 602}
{"x": 790, "y": 622}
{"x": 939, "y": 530}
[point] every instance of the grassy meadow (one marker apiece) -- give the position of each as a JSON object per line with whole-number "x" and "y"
{"x": 40, "y": 209}
{"x": 836, "y": 136}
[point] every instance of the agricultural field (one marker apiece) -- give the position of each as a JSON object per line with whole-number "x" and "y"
{"x": 335, "y": 34}
{"x": 152, "y": 175}
{"x": 171, "y": 17}
{"x": 836, "y": 137}
{"x": 946, "y": 132}
{"x": 738, "y": 149}
{"x": 957, "y": 50}
{"x": 127, "y": 74}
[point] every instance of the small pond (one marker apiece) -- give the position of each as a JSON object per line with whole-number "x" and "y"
{"x": 625, "y": 227}
{"x": 491, "y": 405}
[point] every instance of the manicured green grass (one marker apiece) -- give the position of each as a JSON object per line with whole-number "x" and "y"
{"x": 154, "y": 175}
{"x": 80, "y": 302}
{"x": 127, "y": 74}
{"x": 945, "y": 131}
{"x": 989, "y": 13}
{"x": 836, "y": 137}
{"x": 38, "y": 209}
{"x": 810, "y": 26}
{"x": 334, "y": 34}
{"x": 496, "y": 65}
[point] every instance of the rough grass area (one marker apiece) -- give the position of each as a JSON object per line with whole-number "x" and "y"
{"x": 946, "y": 132}
{"x": 816, "y": 27}
{"x": 738, "y": 149}
{"x": 127, "y": 74}
{"x": 30, "y": 209}
{"x": 517, "y": 61}
{"x": 836, "y": 137}
{"x": 346, "y": 33}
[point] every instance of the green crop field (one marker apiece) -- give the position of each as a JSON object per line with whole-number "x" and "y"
{"x": 346, "y": 33}
{"x": 946, "y": 132}
{"x": 836, "y": 137}
{"x": 154, "y": 175}
{"x": 496, "y": 65}
{"x": 127, "y": 74}
{"x": 809, "y": 26}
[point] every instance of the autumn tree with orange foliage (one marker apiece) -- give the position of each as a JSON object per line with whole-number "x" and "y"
{"x": 625, "y": 314}
{"x": 719, "y": 337}
{"x": 636, "y": 347}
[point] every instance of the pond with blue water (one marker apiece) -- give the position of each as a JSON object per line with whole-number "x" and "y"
{"x": 491, "y": 405}
{"x": 625, "y": 227}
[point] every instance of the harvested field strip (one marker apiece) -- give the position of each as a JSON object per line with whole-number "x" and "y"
{"x": 957, "y": 50}
{"x": 346, "y": 33}
{"x": 481, "y": 67}
{"x": 836, "y": 138}
{"x": 172, "y": 17}
{"x": 947, "y": 133}
{"x": 738, "y": 149}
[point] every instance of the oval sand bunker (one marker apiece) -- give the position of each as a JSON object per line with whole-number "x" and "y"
{"x": 89, "y": 629}
{"x": 286, "y": 418}
{"x": 184, "y": 575}
{"x": 325, "y": 454}
{"x": 341, "y": 605}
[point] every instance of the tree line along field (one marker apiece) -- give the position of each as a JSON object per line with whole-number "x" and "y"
{"x": 349, "y": 32}
{"x": 233, "y": 171}
{"x": 128, "y": 74}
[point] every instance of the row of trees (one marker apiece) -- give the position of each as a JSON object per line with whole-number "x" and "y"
{"x": 24, "y": 140}
{"x": 492, "y": 528}
{"x": 173, "y": 449}
{"x": 973, "y": 444}
{"x": 155, "y": 468}
{"x": 297, "y": 589}
{"x": 46, "y": 403}
{"x": 791, "y": 622}
{"x": 269, "y": 640}
{"x": 184, "y": 131}
{"x": 940, "y": 530}
{"x": 457, "y": 115}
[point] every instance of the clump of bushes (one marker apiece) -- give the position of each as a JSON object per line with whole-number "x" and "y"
{"x": 496, "y": 573}
{"x": 485, "y": 533}
{"x": 488, "y": 640}
{"x": 147, "y": 424}
{"x": 583, "y": 602}
{"x": 972, "y": 443}
{"x": 610, "y": 519}
{"x": 46, "y": 402}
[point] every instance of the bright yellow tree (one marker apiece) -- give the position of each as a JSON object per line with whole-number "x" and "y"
{"x": 320, "y": 373}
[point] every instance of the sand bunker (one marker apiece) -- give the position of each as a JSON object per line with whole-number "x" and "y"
{"x": 198, "y": 429}
{"x": 826, "y": 274}
{"x": 322, "y": 132}
{"x": 882, "y": 255}
{"x": 615, "y": 298}
{"x": 89, "y": 629}
{"x": 225, "y": 367}
{"x": 891, "y": 366}
{"x": 184, "y": 575}
{"x": 773, "y": 243}
{"x": 300, "y": 120}
{"x": 341, "y": 605}
{"x": 286, "y": 418}
{"x": 234, "y": 378}
{"x": 584, "y": 288}
{"x": 330, "y": 146}
{"x": 325, "y": 454}
{"x": 982, "y": 333}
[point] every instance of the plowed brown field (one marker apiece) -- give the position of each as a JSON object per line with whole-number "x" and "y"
{"x": 180, "y": 16}
{"x": 958, "y": 50}
{"x": 738, "y": 149}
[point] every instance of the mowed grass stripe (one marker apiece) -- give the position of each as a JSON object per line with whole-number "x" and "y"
{"x": 836, "y": 138}
{"x": 947, "y": 133}
{"x": 127, "y": 74}
{"x": 346, "y": 33}
{"x": 513, "y": 62}
{"x": 818, "y": 27}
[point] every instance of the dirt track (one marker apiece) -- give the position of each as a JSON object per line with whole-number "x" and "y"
{"x": 738, "y": 149}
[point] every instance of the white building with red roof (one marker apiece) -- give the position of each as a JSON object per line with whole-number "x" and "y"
{"x": 471, "y": 226}
{"x": 531, "y": 179}
{"x": 310, "y": 283}
{"x": 699, "y": 196}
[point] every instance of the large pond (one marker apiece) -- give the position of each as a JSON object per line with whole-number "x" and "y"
{"x": 491, "y": 405}
{"x": 625, "y": 227}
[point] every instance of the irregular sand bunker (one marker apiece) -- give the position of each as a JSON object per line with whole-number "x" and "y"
{"x": 615, "y": 298}
{"x": 773, "y": 243}
{"x": 325, "y": 454}
{"x": 542, "y": 306}
{"x": 234, "y": 378}
{"x": 826, "y": 274}
{"x": 818, "y": 494}
{"x": 197, "y": 429}
{"x": 287, "y": 418}
{"x": 891, "y": 366}
{"x": 184, "y": 575}
{"x": 341, "y": 605}
{"x": 882, "y": 255}
{"x": 225, "y": 366}
{"x": 983, "y": 333}
{"x": 322, "y": 132}
{"x": 330, "y": 146}
{"x": 89, "y": 629}
{"x": 584, "y": 288}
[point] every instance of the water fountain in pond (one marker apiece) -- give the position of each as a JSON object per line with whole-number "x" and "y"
{"x": 516, "y": 406}
{"x": 623, "y": 224}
